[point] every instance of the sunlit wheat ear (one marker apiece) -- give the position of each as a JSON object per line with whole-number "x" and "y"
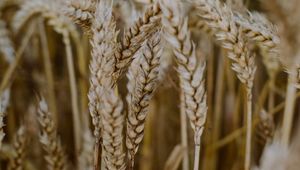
{"x": 102, "y": 65}
{"x": 82, "y": 13}
{"x": 6, "y": 46}
{"x": 4, "y": 102}
{"x": 86, "y": 155}
{"x": 143, "y": 75}
{"x": 190, "y": 71}
{"x": 55, "y": 155}
{"x": 142, "y": 29}
{"x": 19, "y": 146}
{"x": 112, "y": 121}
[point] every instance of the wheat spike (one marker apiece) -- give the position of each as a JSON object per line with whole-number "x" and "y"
{"x": 4, "y": 102}
{"x": 102, "y": 66}
{"x": 6, "y": 45}
{"x": 82, "y": 13}
{"x": 86, "y": 155}
{"x": 143, "y": 76}
{"x": 257, "y": 28}
{"x": 19, "y": 144}
{"x": 112, "y": 121}
{"x": 55, "y": 155}
{"x": 142, "y": 29}
{"x": 191, "y": 72}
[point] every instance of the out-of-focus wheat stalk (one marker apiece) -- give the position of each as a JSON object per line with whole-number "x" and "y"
{"x": 55, "y": 155}
{"x": 50, "y": 11}
{"x": 6, "y": 45}
{"x": 142, "y": 81}
{"x": 19, "y": 146}
{"x": 191, "y": 71}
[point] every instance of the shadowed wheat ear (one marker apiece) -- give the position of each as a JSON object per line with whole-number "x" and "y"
{"x": 190, "y": 71}
{"x": 6, "y": 45}
{"x": 4, "y": 102}
{"x": 55, "y": 156}
{"x": 112, "y": 121}
{"x": 143, "y": 76}
{"x": 134, "y": 37}
{"x": 82, "y": 13}
{"x": 230, "y": 34}
{"x": 19, "y": 144}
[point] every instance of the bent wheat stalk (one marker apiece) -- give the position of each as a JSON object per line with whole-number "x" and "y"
{"x": 190, "y": 71}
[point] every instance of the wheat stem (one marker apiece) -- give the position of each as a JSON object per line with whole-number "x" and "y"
{"x": 74, "y": 94}
{"x": 249, "y": 130}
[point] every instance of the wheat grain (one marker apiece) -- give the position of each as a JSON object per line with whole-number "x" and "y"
{"x": 6, "y": 45}
{"x": 143, "y": 77}
{"x": 19, "y": 146}
{"x": 112, "y": 121}
{"x": 191, "y": 72}
{"x": 55, "y": 155}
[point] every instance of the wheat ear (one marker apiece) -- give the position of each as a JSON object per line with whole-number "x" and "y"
{"x": 221, "y": 19}
{"x": 6, "y": 45}
{"x": 82, "y": 13}
{"x": 4, "y": 102}
{"x": 191, "y": 71}
{"x": 19, "y": 144}
{"x": 142, "y": 29}
{"x": 55, "y": 156}
{"x": 112, "y": 121}
{"x": 143, "y": 77}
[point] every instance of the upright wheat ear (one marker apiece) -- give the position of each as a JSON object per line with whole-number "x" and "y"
{"x": 191, "y": 71}
{"x": 19, "y": 144}
{"x": 112, "y": 133}
{"x": 230, "y": 34}
{"x": 142, "y": 81}
{"x": 55, "y": 156}
{"x": 4, "y": 101}
{"x": 82, "y": 13}
{"x": 6, "y": 45}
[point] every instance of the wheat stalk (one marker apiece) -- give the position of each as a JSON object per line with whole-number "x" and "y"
{"x": 55, "y": 155}
{"x": 112, "y": 121}
{"x": 143, "y": 78}
{"x": 19, "y": 144}
{"x": 6, "y": 45}
{"x": 191, "y": 71}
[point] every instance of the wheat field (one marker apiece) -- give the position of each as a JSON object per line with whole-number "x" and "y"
{"x": 149, "y": 84}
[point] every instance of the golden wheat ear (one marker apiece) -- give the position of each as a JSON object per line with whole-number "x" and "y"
{"x": 55, "y": 156}
{"x": 19, "y": 147}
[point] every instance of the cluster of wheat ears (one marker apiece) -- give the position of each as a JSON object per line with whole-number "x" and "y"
{"x": 149, "y": 84}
